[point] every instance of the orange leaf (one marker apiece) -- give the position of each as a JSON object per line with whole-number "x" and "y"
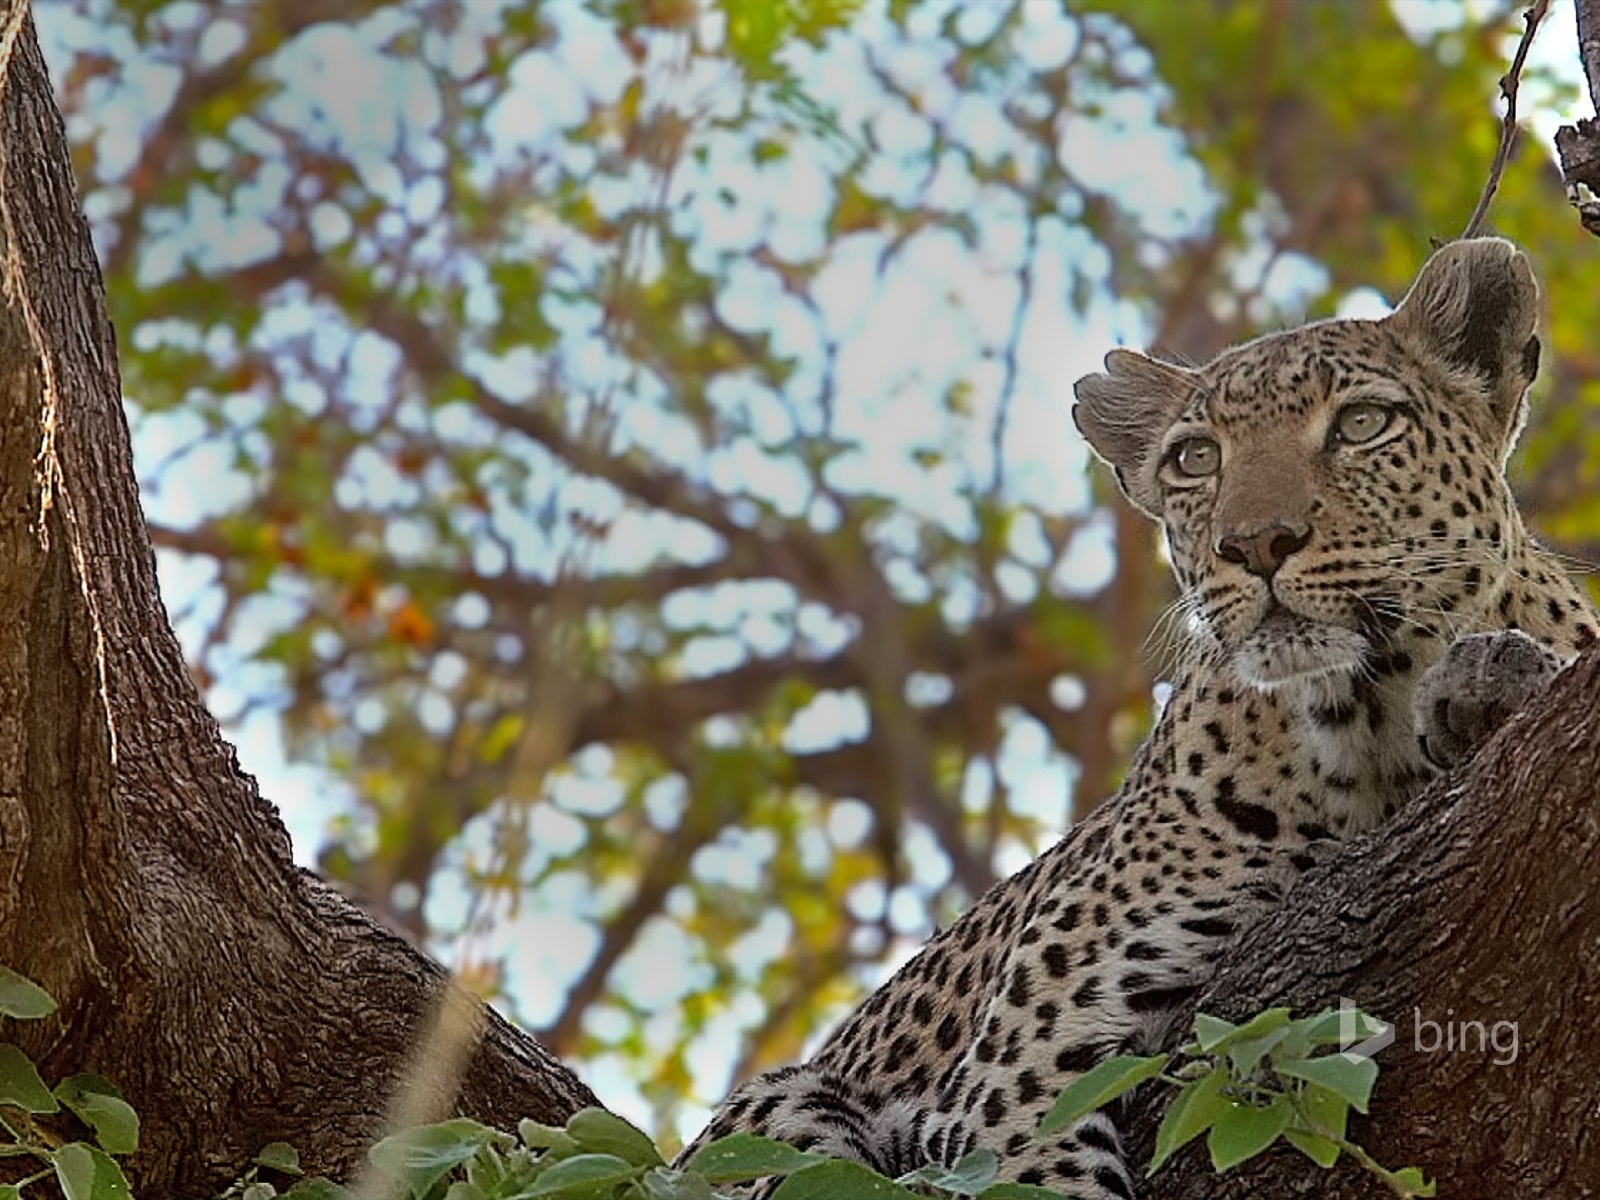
{"x": 411, "y": 625}
{"x": 358, "y": 600}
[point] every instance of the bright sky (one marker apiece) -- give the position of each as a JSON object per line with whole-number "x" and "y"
{"x": 905, "y": 334}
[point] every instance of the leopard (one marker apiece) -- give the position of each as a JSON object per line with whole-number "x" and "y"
{"x": 1361, "y": 606}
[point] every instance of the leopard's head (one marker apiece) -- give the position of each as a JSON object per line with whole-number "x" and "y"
{"x": 1335, "y": 495}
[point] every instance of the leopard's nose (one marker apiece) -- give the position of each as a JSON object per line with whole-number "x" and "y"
{"x": 1263, "y": 551}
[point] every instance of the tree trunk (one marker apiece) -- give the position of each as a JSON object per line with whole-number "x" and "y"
{"x": 1479, "y": 903}
{"x": 146, "y": 884}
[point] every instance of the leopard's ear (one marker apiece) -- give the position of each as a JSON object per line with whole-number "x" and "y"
{"x": 1475, "y": 304}
{"x": 1123, "y": 415}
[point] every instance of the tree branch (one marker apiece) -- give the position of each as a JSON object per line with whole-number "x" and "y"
{"x": 1588, "y": 16}
{"x": 1578, "y": 146}
{"x": 1508, "y": 126}
{"x": 146, "y": 883}
{"x": 664, "y": 870}
{"x": 606, "y": 592}
{"x": 798, "y": 557}
{"x": 168, "y": 150}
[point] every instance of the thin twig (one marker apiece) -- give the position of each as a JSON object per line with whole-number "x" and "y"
{"x": 1508, "y": 127}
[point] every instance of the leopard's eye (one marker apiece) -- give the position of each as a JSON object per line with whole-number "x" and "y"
{"x": 1197, "y": 457}
{"x": 1358, "y": 423}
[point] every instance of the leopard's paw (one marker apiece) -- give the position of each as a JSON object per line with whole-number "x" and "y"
{"x": 1482, "y": 679}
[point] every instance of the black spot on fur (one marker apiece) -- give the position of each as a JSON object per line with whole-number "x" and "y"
{"x": 1160, "y": 999}
{"x": 1252, "y": 820}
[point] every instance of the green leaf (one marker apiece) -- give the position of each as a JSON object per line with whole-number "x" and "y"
{"x": 101, "y": 1107}
{"x": 1195, "y": 1109}
{"x": 1216, "y": 1034}
{"x": 539, "y": 1136}
{"x": 663, "y": 1183}
{"x": 1315, "y": 1147}
{"x": 279, "y": 1156}
{"x": 1264, "y": 1022}
{"x": 10, "y": 1191}
{"x": 316, "y": 1189}
{"x": 86, "y": 1082}
{"x": 1020, "y": 1191}
{"x": 546, "y": 1137}
{"x": 744, "y": 1156}
{"x": 1210, "y": 1031}
{"x": 1244, "y": 1131}
{"x": 1245, "y": 1053}
{"x": 1414, "y": 1182}
{"x": 1333, "y": 1026}
{"x": 1296, "y": 1041}
{"x": 75, "y": 1171}
{"x": 1368, "y": 1025}
{"x": 766, "y": 150}
{"x": 1328, "y": 1111}
{"x": 969, "y": 1176}
{"x": 488, "y": 1172}
{"x": 599, "y": 1132}
{"x": 20, "y": 1084}
{"x": 1350, "y": 1077}
{"x": 421, "y": 1157}
{"x": 1321, "y": 1025}
{"x": 1099, "y": 1085}
{"x": 23, "y": 999}
{"x": 583, "y": 1176}
{"x": 837, "y": 1179}
{"x": 88, "y": 1173}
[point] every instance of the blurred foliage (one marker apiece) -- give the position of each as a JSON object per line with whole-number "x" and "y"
{"x": 625, "y": 443}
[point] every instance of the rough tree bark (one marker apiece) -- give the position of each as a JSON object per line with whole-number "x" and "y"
{"x": 1480, "y": 903}
{"x": 143, "y": 880}
{"x": 1578, "y": 145}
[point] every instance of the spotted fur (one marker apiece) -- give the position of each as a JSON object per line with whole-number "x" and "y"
{"x": 1337, "y": 515}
